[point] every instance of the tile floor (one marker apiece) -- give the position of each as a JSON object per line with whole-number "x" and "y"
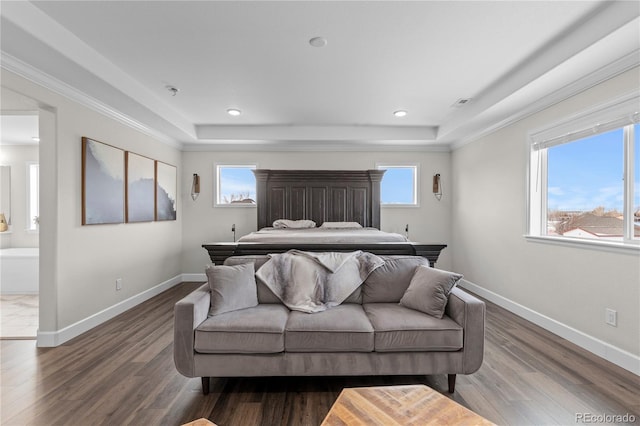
{"x": 18, "y": 316}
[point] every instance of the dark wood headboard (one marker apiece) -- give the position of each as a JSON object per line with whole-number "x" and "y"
{"x": 319, "y": 195}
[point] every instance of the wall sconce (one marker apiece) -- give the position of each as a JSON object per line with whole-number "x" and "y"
{"x": 437, "y": 186}
{"x": 195, "y": 187}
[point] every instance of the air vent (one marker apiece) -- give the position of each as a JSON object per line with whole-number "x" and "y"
{"x": 461, "y": 102}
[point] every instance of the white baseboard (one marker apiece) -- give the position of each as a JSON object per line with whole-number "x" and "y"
{"x": 194, "y": 277}
{"x": 604, "y": 350}
{"x": 56, "y": 338}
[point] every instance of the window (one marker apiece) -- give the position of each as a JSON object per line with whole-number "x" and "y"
{"x": 236, "y": 185}
{"x": 399, "y": 186}
{"x": 33, "y": 194}
{"x": 584, "y": 182}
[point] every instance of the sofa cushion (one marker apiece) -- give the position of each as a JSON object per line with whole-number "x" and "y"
{"x": 343, "y": 328}
{"x": 399, "y": 329}
{"x": 254, "y": 330}
{"x": 388, "y": 282}
{"x": 232, "y": 288}
{"x": 429, "y": 290}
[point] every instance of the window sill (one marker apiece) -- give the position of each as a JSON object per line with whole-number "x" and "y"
{"x": 612, "y": 246}
{"x": 241, "y": 205}
{"x": 399, "y": 206}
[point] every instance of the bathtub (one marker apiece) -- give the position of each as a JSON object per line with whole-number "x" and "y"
{"x": 19, "y": 270}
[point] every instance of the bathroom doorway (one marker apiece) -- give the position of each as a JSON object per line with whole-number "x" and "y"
{"x": 19, "y": 214}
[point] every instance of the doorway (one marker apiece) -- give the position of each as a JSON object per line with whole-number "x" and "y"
{"x": 19, "y": 206}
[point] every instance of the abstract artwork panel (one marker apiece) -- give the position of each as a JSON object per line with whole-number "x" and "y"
{"x": 166, "y": 191}
{"x": 102, "y": 183}
{"x": 140, "y": 188}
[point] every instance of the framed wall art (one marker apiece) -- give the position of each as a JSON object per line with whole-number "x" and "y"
{"x": 103, "y": 183}
{"x": 166, "y": 191}
{"x": 140, "y": 190}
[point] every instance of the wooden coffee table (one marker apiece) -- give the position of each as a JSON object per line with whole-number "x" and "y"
{"x": 398, "y": 405}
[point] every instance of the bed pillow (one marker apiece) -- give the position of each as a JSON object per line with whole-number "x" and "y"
{"x": 429, "y": 290}
{"x": 339, "y": 225}
{"x": 232, "y": 288}
{"x": 298, "y": 224}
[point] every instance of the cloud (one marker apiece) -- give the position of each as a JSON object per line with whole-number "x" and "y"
{"x": 555, "y": 190}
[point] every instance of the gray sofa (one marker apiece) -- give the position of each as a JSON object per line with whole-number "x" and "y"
{"x": 371, "y": 333}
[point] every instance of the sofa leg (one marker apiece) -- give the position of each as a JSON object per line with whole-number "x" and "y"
{"x": 452, "y": 383}
{"x": 205, "y": 385}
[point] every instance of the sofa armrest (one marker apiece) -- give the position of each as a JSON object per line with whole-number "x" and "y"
{"x": 189, "y": 312}
{"x": 469, "y": 312}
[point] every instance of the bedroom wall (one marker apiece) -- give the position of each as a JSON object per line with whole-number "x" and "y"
{"x": 565, "y": 288}
{"x": 79, "y": 264}
{"x": 204, "y": 223}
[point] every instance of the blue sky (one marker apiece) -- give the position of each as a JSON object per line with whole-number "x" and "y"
{"x": 588, "y": 174}
{"x": 237, "y": 180}
{"x": 397, "y": 186}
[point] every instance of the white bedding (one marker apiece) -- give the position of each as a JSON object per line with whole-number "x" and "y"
{"x": 322, "y": 235}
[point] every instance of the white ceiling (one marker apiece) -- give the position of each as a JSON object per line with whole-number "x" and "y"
{"x": 509, "y": 57}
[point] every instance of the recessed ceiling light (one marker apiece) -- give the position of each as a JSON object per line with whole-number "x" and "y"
{"x": 234, "y": 112}
{"x": 318, "y": 42}
{"x": 400, "y": 113}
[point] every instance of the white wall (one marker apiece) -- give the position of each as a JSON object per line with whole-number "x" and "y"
{"x": 570, "y": 286}
{"x": 17, "y": 157}
{"x": 79, "y": 264}
{"x": 204, "y": 223}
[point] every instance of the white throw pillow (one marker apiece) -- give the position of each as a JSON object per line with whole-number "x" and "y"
{"x": 297, "y": 224}
{"x": 340, "y": 225}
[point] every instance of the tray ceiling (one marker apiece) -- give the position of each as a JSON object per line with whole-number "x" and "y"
{"x": 507, "y": 57}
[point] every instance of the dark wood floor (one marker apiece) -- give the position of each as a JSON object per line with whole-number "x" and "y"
{"x": 122, "y": 372}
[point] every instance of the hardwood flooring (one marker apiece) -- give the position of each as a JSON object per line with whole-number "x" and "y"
{"x": 122, "y": 372}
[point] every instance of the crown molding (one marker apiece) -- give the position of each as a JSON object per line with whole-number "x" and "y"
{"x": 607, "y": 72}
{"x": 316, "y": 146}
{"x": 21, "y": 68}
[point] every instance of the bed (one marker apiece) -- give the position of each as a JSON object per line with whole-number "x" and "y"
{"x": 323, "y": 197}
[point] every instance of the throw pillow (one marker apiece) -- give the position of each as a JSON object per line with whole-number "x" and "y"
{"x": 429, "y": 290}
{"x": 340, "y": 225}
{"x": 295, "y": 224}
{"x": 232, "y": 288}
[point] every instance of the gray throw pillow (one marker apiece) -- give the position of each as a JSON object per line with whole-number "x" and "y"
{"x": 429, "y": 290}
{"x": 232, "y": 288}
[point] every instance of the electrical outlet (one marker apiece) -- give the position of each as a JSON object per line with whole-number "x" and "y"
{"x": 611, "y": 317}
{"x": 118, "y": 284}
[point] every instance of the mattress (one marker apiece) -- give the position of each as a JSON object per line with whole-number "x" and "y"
{"x": 322, "y": 235}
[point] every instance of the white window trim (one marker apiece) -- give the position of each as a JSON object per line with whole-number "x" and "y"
{"x": 29, "y": 219}
{"x": 416, "y": 184}
{"x": 216, "y": 185}
{"x": 615, "y": 114}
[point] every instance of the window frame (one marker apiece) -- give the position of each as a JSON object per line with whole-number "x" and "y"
{"x": 621, "y": 113}
{"x": 217, "y": 182}
{"x": 31, "y": 226}
{"x": 416, "y": 184}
